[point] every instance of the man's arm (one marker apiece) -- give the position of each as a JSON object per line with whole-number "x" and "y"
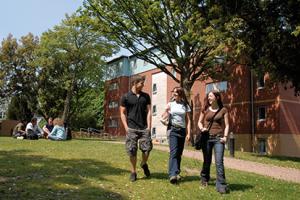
{"x": 124, "y": 117}
{"x": 149, "y": 117}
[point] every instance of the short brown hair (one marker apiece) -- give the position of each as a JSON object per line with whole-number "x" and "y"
{"x": 136, "y": 79}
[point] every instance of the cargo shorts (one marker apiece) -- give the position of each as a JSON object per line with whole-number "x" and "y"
{"x": 134, "y": 137}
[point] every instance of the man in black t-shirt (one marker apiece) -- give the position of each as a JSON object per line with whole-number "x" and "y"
{"x": 135, "y": 113}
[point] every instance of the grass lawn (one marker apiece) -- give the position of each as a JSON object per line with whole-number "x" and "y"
{"x": 281, "y": 161}
{"x": 93, "y": 169}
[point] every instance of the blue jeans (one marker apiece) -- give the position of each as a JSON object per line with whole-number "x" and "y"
{"x": 214, "y": 143}
{"x": 176, "y": 144}
{"x": 53, "y": 137}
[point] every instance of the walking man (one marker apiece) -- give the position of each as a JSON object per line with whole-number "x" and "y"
{"x": 135, "y": 113}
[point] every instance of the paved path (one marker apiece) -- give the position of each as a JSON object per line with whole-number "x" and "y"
{"x": 287, "y": 174}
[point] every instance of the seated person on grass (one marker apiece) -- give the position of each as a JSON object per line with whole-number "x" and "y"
{"x": 48, "y": 127}
{"x": 19, "y": 130}
{"x": 33, "y": 131}
{"x": 58, "y": 132}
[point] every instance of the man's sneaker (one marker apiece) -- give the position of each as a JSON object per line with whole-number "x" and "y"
{"x": 173, "y": 179}
{"x": 204, "y": 183}
{"x": 132, "y": 177}
{"x": 179, "y": 178}
{"x": 222, "y": 190}
{"x": 146, "y": 169}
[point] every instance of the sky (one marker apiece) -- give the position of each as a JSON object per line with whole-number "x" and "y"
{"x": 19, "y": 17}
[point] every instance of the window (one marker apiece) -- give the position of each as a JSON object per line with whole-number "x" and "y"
{"x": 154, "y": 88}
{"x": 173, "y": 72}
{"x": 261, "y": 113}
{"x": 154, "y": 110}
{"x": 113, "y": 104}
{"x": 113, "y": 86}
{"x": 220, "y": 86}
{"x": 261, "y": 82}
{"x": 262, "y": 147}
{"x": 145, "y": 63}
{"x": 133, "y": 63}
{"x": 113, "y": 123}
{"x": 153, "y": 132}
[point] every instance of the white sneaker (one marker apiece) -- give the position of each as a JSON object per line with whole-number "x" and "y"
{"x": 20, "y": 138}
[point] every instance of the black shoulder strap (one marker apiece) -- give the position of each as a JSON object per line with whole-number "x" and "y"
{"x": 212, "y": 120}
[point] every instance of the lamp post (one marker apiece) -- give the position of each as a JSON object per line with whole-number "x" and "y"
{"x": 231, "y": 144}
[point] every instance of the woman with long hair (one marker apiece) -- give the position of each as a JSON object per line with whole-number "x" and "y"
{"x": 215, "y": 113}
{"x": 180, "y": 130}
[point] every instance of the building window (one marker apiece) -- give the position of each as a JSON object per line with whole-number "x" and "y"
{"x": 113, "y": 123}
{"x": 261, "y": 113}
{"x": 220, "y": 86}
{"x": 153, "y": 132}
{"x": 261, "y": 82}
{"x": 145, "y": 63}
{"x": 133, "y": 63}
{"x": 154, "y": 110}
{"x": 113, "y": 104}
{"x": 173, "y": 71}
{"x": 113, "y": 86}
{"x": 154, "y": 88}
{"x": 262, "y": 147}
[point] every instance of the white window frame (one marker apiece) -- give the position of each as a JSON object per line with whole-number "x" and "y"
{"x": 154, "y": 91}
{"x": 154, "y": 110}
{"x": 113, "y": 104}
{"x": 113, "y": 86}
{"x": 113, "y": 123}
{"x": 216, "y": 86}
{"x": 261, "y": 82}
{"x": 259, "y": 113}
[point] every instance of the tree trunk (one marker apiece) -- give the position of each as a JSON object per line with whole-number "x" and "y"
{"x": 187, "y": 86}
{"x": 67, "y": 104}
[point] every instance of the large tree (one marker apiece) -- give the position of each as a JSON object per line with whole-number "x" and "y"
{"x": 71, "y": 59}
{"x": 193, "y": 35}
{"x": 18, "y": 74}
{"x": 271, "y": 34}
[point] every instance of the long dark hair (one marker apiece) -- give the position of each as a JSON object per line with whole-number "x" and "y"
{"x": 181, "y": 94}
{"x": 217, "y": 94}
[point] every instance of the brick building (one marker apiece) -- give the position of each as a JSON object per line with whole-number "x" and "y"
{"x": 263, "y": 115}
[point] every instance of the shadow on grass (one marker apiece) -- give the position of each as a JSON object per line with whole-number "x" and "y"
{"x": 240, "y": 187}
{"x": 39, "y": 177}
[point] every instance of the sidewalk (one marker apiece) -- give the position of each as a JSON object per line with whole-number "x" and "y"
{"x": 286, "y": 174}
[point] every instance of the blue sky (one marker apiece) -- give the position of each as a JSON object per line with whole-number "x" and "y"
{"x": 19, "y": 17}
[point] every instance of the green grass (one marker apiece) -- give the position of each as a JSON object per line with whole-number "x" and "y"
{"x": 93, "y": 169}
{"x": 281, "y": 161}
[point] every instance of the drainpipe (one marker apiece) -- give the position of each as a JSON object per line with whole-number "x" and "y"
{"x": 252, "y": 110}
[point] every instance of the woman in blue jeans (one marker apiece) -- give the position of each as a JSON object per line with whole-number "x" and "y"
{"x": 180, "y": 129}
{"x": 58, "y": 133}
{"x": 214, "y": 111}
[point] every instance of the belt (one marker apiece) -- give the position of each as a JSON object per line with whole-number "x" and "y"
{"x": 176, "y": 126}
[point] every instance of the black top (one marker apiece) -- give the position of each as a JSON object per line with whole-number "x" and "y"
{"x": 136, "y": 108}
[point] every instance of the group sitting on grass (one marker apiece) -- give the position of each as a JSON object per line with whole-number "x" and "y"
{"x": 53, "y": 130}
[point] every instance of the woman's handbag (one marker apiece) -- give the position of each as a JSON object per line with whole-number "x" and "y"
{"x": 202, "y": 137}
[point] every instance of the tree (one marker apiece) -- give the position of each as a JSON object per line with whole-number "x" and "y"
{"x": 271, "y": 35}
{"x": 193, "y": 35}
{"x": 71, "y": 59}
{"x": 18, "y": 72}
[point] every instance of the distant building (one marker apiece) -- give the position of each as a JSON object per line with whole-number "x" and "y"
{"x": 264, "y": 117}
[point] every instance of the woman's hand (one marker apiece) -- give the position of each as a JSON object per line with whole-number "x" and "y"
{"x": 223, "y": 139}
{"x": 188, "y": 137}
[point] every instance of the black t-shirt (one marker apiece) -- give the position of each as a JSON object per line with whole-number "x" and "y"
{"x": 136, "y": 108}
